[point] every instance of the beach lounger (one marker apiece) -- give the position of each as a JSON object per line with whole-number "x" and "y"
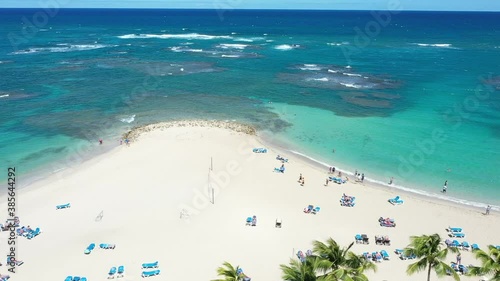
{"x": 457, "y": 234}
{"x": 301, "y": 256}
{"x": 248, "y": 221}
{"x": 112, "y": 272}
{"x": 89, "y": 249}
{"x": 63, "y": 206}
{"x": 463, "y": 269}
{"x": 107, "y": 246}
{"x": 316, "y": 210}
{"x": 366, "y": 240}
{"x": 150, "y": 265}
{"x": 475, "y": 247}
{"x": 454, "y": 229}
{"x": 83, "y": 279}
{"x": 455, "y": 244}
{"x": 358, "y": 239}
{"x": 121, "y": 270}
{"x": 377, "y": 257}
{"x": 384, "y": 254}
{"x": 259, "y": 150}
{"x": 34, "y": 233}
{"x": 76, "y": 278}
{"x": 150, "y": 273}
{"x": 278, "y": 223}
{"x": 308, "y": 209}
{"x": 465, "y": 245}
{"x": 69, "y": 278}
{"x": 366, "y": 255}
{"x": 396, "y": 201}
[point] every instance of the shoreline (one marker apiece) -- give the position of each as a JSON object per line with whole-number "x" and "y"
{"x": 134, "y": 134}
{"x": 164, "y": 173}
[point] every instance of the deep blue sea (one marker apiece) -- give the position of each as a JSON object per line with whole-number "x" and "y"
{"x": 409, "y": 95}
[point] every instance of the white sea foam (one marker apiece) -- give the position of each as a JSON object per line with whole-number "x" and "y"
{"x": 181, "y": 49}
{"x": 285, "y": 47}
{"x": 230, "y": 56}
{"x": 351, "y": 74}
{"x": 348, "y": 66}
{"x": 350, "y": 85}
{"x": 434, "y": 45}
{"x": 332, "y": 71}
{"x": 323, "y": 79}
{"x": 63, "y": 48}
{"x": 232, "y": 46}
{"x": 403, "y": 188}
{"x": 338, "y": 44}
{"x": 129, "y": 119}
{"x": 186, "y": 36}
{"x": 310, "y": 67}
{"x": 4, "y": 96}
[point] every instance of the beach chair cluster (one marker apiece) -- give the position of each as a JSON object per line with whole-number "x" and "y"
{"x": 312, "y": 210}
{"x": 336, "y": 180}
{"x": 10, "y": 223}
{"x": 4, "y": 277}
{"x": 241, "y": 275}
{"x": 387, "y": 222}
{"x": 75, "y": 278}
{"x": 116, "y": 272}
{"x": 403, "y": 256}
{"x": 347, "y": 201}
{"x": 150, "y": 273}
{"x": 280, "y": 170}
{"x": 252, "y": 221}
{"x": 382, "y": 240}
{"x": 260, "y": 150}
{"x": 302, "y": 257}
{"x": 282, "y": 159}
{"x": 362, "y": 239}
{"x": 63, "y": 206}
{"x": 376, "y": 256}
{"x": 396, "y": 201}
{"x": 455, "y": 232}
{"x": 458, "y": 268}
{"x": 461, "y": 245}
{"x": 28, "y": 232}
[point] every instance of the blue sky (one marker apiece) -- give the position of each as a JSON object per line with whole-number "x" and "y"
{"x": 435, "y": 5}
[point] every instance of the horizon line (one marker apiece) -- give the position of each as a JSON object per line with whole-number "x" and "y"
{"x": 257, "y": 9}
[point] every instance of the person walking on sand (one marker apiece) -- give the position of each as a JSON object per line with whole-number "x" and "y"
{"x": 300, "y": 178}
{"x": 392, "y": 179}
{"x": 326, "y": 183}
{"x": 459, "y": 258}
{"x": 488, "y": 209}
{"x": 303, "y": 181}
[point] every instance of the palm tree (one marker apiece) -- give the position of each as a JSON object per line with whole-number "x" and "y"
{"x": 228, "y": 272}
{"x": 490, "y": 263}
{"x": 344, "y": 264}
{"x": 429, "y": 249}
{"x": 309, "y": 270}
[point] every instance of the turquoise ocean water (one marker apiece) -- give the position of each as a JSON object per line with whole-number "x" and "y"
{"x": 414, "y": 96}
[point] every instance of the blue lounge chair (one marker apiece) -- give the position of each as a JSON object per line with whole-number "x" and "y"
{"x": 358, "y": 238}
{"x": 376, "y": 256}
{"x": 150, "y": 273}
{"x": 398, "y": 251}
{"x": 396, "y": 201}
{"x": 89, "y": 248}
{"x": 457, "y": 234}
{"x": 112, "y": 272}
{"x": 64, "y": 206}
{"x": 316, "y": 210}
{"x": 150, "y": 265}
{"x": 366, "y": 255}
{"x": 454, "y": 229}
{"x": 107, "y": 246}
{"x": 34, "y": 233}
{"x": 76, "y": 278}
{"x": 384, "y": 254}
{"x": 455, "y": 244}
{"x": 260, "y": 150}
{"x": 121, "y": 270}
{"x": 475, "y": 247}
{"x": 83, "y": 279}
{"x": 249, "y": 221}
{"x": 465, "y": 245}
{"x": 308, "y": 209}
{"x": 69, "y": 278}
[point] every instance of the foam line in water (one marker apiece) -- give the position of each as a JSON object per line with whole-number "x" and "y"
{"x": 403, "y": 188}
{"x": 186, "y": 36}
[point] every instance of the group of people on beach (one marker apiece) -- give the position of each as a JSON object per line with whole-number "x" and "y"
{"x": 360, "y": 177}
{"x": 301, "y": 180}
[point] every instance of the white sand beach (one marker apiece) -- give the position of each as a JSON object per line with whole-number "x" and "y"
{"x": 134, "y": 195}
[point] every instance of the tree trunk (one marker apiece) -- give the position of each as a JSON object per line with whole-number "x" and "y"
{"x": 429, "y": 272}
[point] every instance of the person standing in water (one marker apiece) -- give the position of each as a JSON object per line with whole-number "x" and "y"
{"x": 445, "y": 186}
